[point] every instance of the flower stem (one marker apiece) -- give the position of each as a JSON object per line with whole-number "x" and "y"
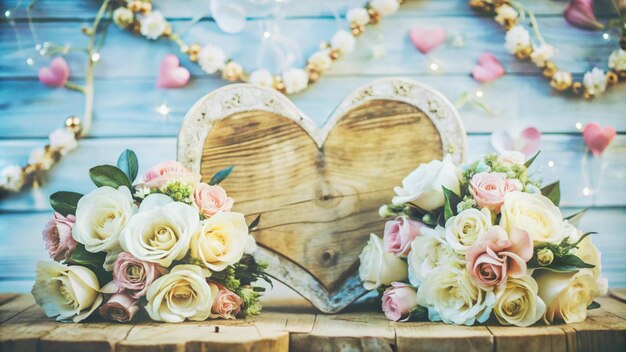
{"x": 535, "y": 25}
{"x": 73, "y": 86}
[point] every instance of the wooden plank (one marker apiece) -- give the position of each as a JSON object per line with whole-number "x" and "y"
{"x": 597, "y": 333}
{"x": 613, "y": 306}
{"x": 7, "y": 297}
{"x": 427, "y": 337}
{"x": 534, "y": 338}
{"x": 93, "y": 337}
{"x": 22, "y": 332}
{"x": 15, "y": 307}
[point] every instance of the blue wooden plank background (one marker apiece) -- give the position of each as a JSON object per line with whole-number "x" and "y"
{"x": 126, "y": 101}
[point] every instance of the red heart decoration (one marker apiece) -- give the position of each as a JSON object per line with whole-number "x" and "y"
{"x": 171, "y": 75}
{"x": 426, "y": 40}
{"x": 56, "y": 74}
{"x": 488, "y": 68}
{"x": 597, "y": 137}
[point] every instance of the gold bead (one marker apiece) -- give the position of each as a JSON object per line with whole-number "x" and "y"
{"x": 577, "y": 88}
{"x": 168, "y": 30}
{"x": 374, "y": 16}
{"x": 324, "y": 45}
{"x": 194, "y": 49}
{"x": 184, "y": 49}
{"x": 73, "y": 123}
{"x": 135, "y": 6}
{"x": 278, "y": 84}
{"x": 611, "y": 77}
{"x": 193, "y": 57}
{"x": 525, "y": 53}
{"x": 549, "y": 69}
{"x": 334, "y": 54}
{"x": 146, "y": 7}
{"x": 622, "y": 74}
{"x": 314, "y": 76}
{"x": 561, "y": 80}
{"x": 356, "y": 29}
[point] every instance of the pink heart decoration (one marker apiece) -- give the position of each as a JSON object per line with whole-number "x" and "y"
{"x": 597, "y": 137}
{"x": 171, "y": 74}
{"x": 426, "y": 40}
{"x": 488, "y": 68}
{"x": 527, "y": 141}
{"x": 56, "y": 74}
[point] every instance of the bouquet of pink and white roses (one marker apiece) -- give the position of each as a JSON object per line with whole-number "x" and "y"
{"x": 484, "y": 240}
{"x": 170, "y": 245}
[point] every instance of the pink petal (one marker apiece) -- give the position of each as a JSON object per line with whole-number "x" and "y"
{"x": 579, "y": 13}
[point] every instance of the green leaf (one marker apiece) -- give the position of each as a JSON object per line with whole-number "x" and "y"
{"x": 254, "y": 223}
{"x": 65, "y": 202}
{"x": 128, "y": 163}
{"x": 575, "y": 218}
{"x": 530, "y": 161}
{"x": 593, "y": 305}
{"x": 107, "y": 175}
{"x": 450, "y": 203}
{"x": 559, "y": 268}
{"x": 221, "y": 176}
{"x": 81, "y": 256}
{"x": 553, "y": 192}
{"x": 575, "y": 261}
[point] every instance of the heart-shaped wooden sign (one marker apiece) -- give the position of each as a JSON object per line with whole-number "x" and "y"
{"x": 318, "y": 190}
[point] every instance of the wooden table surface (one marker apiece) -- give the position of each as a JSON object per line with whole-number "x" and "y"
{"x": 24, "y": 328}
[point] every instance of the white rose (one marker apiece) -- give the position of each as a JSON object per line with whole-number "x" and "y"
{"x": 123, "y": 17}
{"x": 385, "y": 7}
{"x": 467, "y": 227}
{"x": 533, "y": 213}
{"x": 505, "y": 13}
{"x": 588, "y": 253}
{"x": 452, "y": 297}
{"x": 152, "y": 25}
{"x": 12, "y": 178}
{"x": 295, "y": 80}
{"x": 211, "y": 59}
{"x": 511, "y": 157}
{"x": 63, "y": 139}
{"x": 429, "y": 251}
{"x": 423, "y": 186}
{"x": 542, "y": 54}
{"x": 320, "y": 61}
{"x": 343, "y": 41}
{"x": 160, "y": 234}
{"x": 617, "y": 60}
{"x": 66, "y": 291}
{"x": 100, "y": 217}
{"x": 517, "y": 302}
{"x": 358, "y": 15}
{"x": 517, "y": 39}
{"x": 567, "y": 295}
{"x": 41, "y": 158}
{"x": 262, "y": 78}
{"x": 379, "y": 267}
{"x": 595, "y": 81}
{"x": 182, "y": 294}
{"x": 221, "y": 240}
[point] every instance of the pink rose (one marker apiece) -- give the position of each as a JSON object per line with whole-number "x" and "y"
{"x": 489, "y": 189}
{"x": 169, "y": 171}
{"x": 120, "y": 307}
{"x": 211, "y": 199}
{"x": 226, "y": 304}
{"x": 497, "y": 255}
{"x": 398, "y": 301}
{"x": 133, "y": 275}
{"x": 58, "y": 237}
{"x": 399, "y": 233}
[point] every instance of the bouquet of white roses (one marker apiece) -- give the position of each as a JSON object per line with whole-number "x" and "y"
{"x": 170, "y": 245}
{"x": 484, "y": 240}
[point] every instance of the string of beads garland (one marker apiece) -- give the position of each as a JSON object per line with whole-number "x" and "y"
{"x": 138, "y": 16}
{"x": 511, "y": 15}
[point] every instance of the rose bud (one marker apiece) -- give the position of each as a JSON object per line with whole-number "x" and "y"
{"x": 211, "y": 199}
{"x": 120, "y": 307}
{"x": 545, "y": 256}
{"x": 58, "y": 237}
{"x": 398, "y": 301}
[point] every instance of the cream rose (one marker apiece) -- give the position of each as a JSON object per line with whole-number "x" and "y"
{"x": 66, "y": 291}
{"x": 221, "y": 240}
{"x": 101, "y": 215}
{"x": 423, "y": 186}
{"x": 534, "y": 214}
{"x": 567, "y": 295}
{"x": 378, "y": 267}
{"x": 452, "y": 296}
{"x": 465, "y": 229}
{"x": 428, "y": 251}
{"x": 182, "y": 294}
{"x": 160, "y": 233}
{"x": 517, "y": 302}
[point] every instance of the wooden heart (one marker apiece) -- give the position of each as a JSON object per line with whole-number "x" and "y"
{"x": 318, "y": 190}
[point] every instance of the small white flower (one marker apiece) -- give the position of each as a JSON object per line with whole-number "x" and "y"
{"x": 211, "y": 59}
{"x": 505, "y": 13}
{"x": 542, "y": 54}
{"x": 41, "y": 158}
{"x": 385, "y": 7}
{"x": 123, "y": 17}
{"x": 358, "y": 15}
{"x": 320, "y": 61}
{"x": 617, "y": 60}
{"x": 262, "y": 77}
{"x": 517, "y": 39}
{"x": 295, "y": 80}
{"x": 63, "y": 139}
{"x": 12, "y": 178}
{"x": 595, "y": 81}
{"x": 343, "y": 41}
{"x": 153, "y": 25}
